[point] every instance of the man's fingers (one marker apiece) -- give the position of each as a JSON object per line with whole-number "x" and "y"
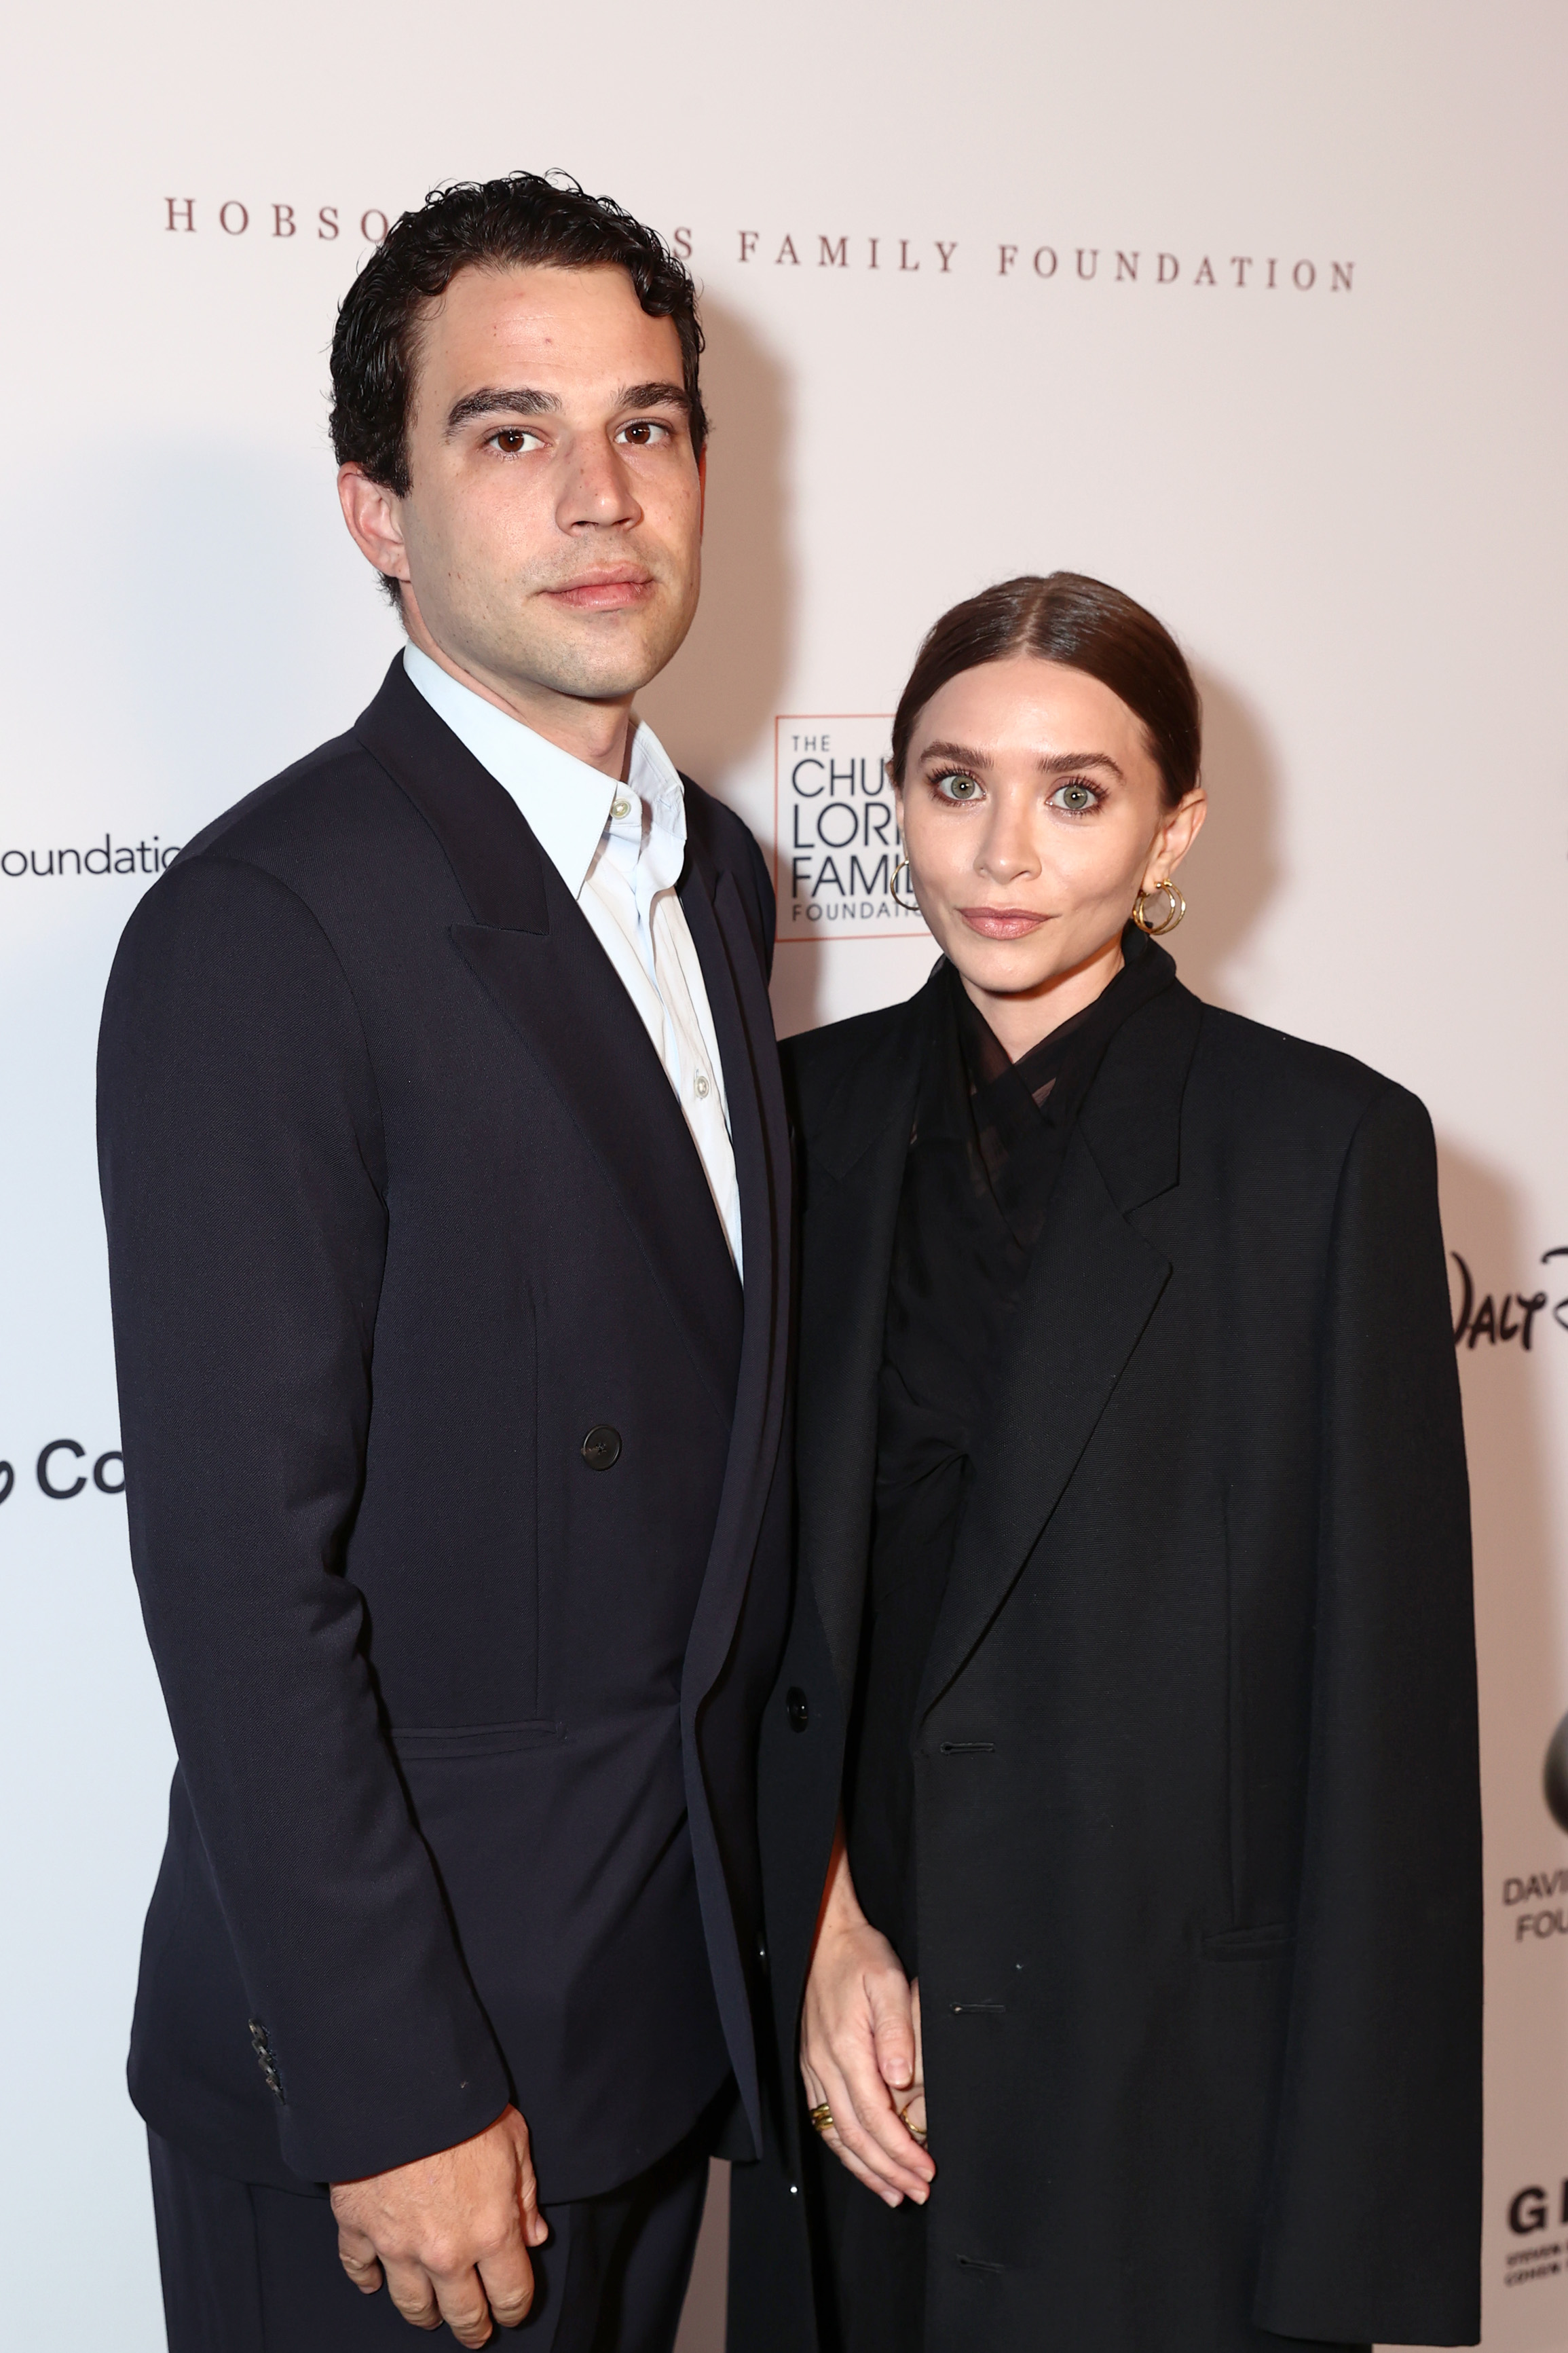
{"x": 410, "y": 2288}
{"x": 507, "y": 2282}
{"x": 535, "y": 2229}
{"x": 464, "y": 2308}
{"x": 358, "y": 2257}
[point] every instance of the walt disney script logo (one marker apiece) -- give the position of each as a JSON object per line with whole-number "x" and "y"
{"x": 1511, "y": 1316}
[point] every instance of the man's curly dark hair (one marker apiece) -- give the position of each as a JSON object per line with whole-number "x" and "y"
{"x": 523, "y": 220}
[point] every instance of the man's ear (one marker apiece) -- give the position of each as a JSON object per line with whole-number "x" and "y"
{"x": 374, "y": 517}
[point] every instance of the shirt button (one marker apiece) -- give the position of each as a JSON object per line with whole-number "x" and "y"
{"x": 796, "y": 1708}
{"x": 622, "y": 807}
{"x": 701, "y": 1086}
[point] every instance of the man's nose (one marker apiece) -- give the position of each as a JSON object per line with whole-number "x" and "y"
{"x": 598, "y": 492}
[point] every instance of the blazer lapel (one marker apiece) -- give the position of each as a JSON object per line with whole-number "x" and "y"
{"x": 742, "y": 1023}
{"x": 856, "y": 1175}
{"x": 533, "y": 951}
{"x": 1095, "y": 1283}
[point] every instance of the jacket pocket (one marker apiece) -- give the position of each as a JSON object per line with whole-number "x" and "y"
{"x": 420, "y": 1745}
{"x": 1269, "y": 1943}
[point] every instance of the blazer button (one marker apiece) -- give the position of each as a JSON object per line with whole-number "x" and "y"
{"x": 602, "y": 1447}
{"x": 796, "y": 1708}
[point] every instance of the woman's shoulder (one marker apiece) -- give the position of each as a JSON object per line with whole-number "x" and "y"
{"x": 818, "y": 1062}
{"x": 1247, "y": 1070}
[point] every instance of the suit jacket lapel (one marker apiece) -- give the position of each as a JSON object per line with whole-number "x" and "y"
{"x": 534, "y": 953}
{"x": 743, "y": 1022}
{"x": 855, "y": 1175}
{"x": 1095, "y": 1283}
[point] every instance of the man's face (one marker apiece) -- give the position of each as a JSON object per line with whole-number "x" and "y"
{"x": 553, "y": 528}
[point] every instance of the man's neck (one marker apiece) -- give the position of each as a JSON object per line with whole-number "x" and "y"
{"x": 598, "y": 733}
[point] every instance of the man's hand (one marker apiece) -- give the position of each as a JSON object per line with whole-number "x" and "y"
{"x": 451, "y": 2233}
{"x": 860, "y": 2047}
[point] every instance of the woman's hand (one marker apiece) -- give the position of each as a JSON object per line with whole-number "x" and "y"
{"x": 861, "y": 2046}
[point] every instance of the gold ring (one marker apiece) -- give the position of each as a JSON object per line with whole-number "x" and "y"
{"x": 915, "y": 2132}
{"x": 822, "y": 2117}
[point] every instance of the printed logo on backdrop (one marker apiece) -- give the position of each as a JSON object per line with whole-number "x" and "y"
{"x": 292, "y": 223}
{"x": 64, "y": 1469}
{"x": 1530, "y": 2216}
{"x": 1536, "y": 1902}
{"x": 1501, "y": 1318}
{"x": 95, "y": 858}
{"x": 1027, "y": 261}
{"x": 1022, "y": 259}
{"x": 836, "y": 845}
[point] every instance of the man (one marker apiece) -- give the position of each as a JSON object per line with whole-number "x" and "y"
{"x": 445, "y": 1179}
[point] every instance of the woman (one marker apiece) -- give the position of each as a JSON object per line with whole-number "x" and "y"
{"x": 1120, "y": 1795}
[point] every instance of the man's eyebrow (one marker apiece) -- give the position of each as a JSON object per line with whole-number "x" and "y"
{"x": 654, "y": 396}
{"x": 499, "y": 400}
{"x": 1051, "y": 763}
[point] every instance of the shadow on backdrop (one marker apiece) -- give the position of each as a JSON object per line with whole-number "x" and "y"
{"x": 713, "y": 708}
{"x": 1234, "y": 871}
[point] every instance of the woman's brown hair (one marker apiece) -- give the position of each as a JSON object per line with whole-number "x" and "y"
{"x": 1068, "y": 619}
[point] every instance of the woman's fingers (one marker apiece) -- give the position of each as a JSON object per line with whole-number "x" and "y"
{"x": 860, "y": 2055}
{"x": 843, "y": 2074}
{"x": 875, "y": 2130}
{"x": 892, "y": 2033}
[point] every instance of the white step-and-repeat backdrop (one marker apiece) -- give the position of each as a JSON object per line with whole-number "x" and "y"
{"x": 1253, "y": 307}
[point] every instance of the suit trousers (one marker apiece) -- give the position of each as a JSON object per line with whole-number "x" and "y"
{"x": 251, "y": 2269}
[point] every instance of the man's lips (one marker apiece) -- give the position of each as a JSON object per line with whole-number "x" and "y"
{"x": 1002, "y": 922}
{"x": 608, "y": 591}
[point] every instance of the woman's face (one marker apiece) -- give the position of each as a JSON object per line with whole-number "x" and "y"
{"x": 1033, "y": 815}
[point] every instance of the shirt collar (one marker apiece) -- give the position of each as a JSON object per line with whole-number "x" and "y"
{"x": 567, "y": 803}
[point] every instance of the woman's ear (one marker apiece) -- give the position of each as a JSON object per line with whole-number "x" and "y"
{"x": 1178, "y": 831}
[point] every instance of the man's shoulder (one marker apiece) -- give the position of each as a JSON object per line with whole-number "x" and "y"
{"x": 317, "y": 803}
{"x": 728, "y": 845}
{"x": 726, "y": 839}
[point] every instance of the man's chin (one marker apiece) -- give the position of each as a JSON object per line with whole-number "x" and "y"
{"x": 600, "y": 661}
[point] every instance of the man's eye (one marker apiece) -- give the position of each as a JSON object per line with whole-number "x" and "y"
{"x": 1077, "y": 798}
{"x": 954, "y": 786}
{"x": 646, "y": 434}
{"x": 513, "y": 439}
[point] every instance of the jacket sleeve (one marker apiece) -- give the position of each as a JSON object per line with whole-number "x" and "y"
{"x": 240, "y": 1155}
{"x": 1373, "y": 2231}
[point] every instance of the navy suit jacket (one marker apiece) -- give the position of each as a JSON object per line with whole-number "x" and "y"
{"x": 400, "y": 1207}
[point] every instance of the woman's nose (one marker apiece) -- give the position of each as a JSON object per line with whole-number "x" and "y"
{"x": 1008, "y": 850}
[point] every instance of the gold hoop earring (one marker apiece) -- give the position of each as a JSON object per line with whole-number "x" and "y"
{"x": 1178, "y": 908}
{"x": 910, "y": 906}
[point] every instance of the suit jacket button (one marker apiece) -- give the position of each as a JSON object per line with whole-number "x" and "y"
{"x": 796, "y": 1708}
{"x": 602, "y": 1447}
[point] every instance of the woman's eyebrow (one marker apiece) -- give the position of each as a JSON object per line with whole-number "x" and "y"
{"x": 1057, "y": 763}
{"x": 959, "y": 752}
{"x": 1051, "y": 763}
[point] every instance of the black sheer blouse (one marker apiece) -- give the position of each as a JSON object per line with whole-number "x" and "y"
{"x": 987, "y": 1142}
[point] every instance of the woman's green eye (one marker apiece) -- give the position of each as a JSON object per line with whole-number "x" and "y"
{"x": 1077, "y": 798}
{"x": 956, "y": 787}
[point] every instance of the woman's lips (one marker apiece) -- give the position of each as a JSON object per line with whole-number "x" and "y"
{"x": 1002, "y": 922}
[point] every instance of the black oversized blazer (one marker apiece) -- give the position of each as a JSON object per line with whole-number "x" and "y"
{"x": 1195, "y": 1758}
{"x": 401, "y": 1206}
